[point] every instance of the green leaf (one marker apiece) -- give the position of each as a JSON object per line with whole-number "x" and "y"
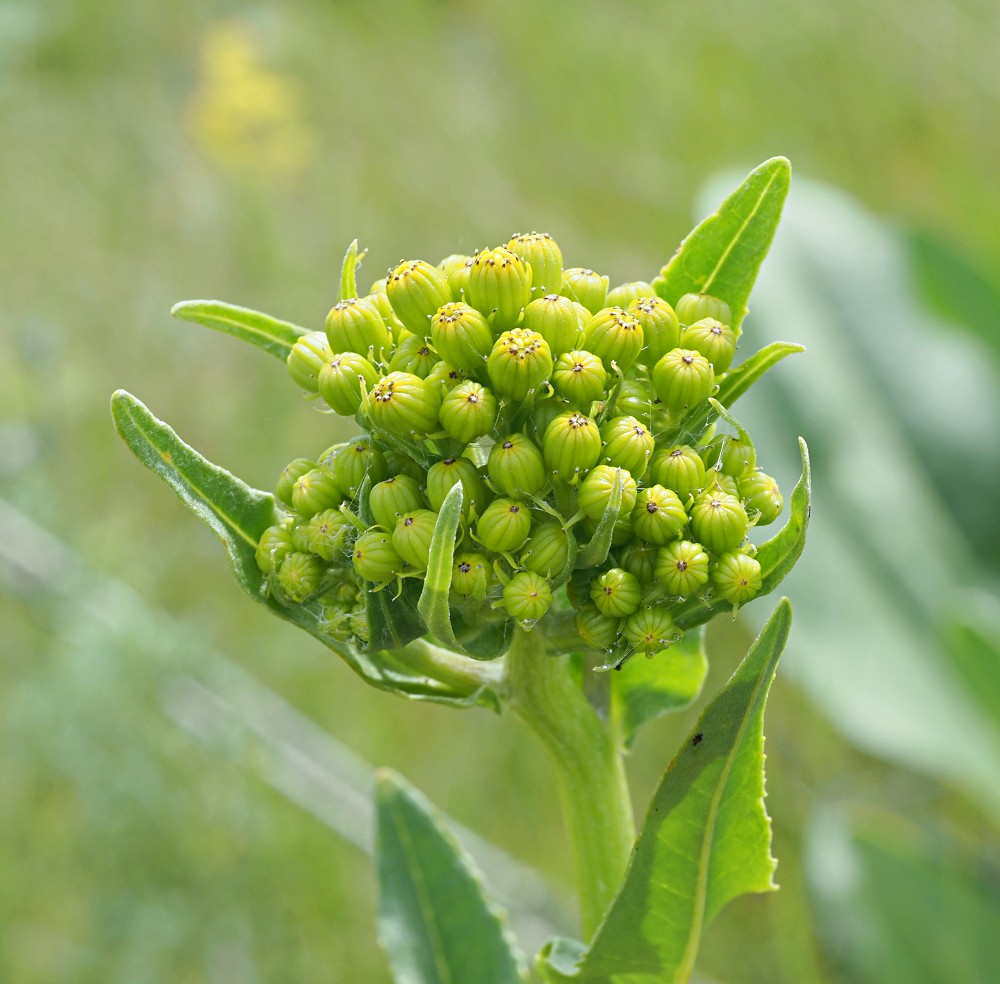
{"x": 392, "y": 615}
{"x": 433, "y": 605}
{"x": 723, "y": 254}
{"x": 348, "y": 273}
{"x": 706, "y": 839}
{"x": 595, "y": 552}
{"x": 645, "y": 689}
{"x": 435, "y": 922}
{"x": 270, "y": 334}
{"x": 740, "y": 378}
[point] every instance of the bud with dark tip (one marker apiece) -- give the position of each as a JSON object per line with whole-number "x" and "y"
{"x": 627, "y": 444}
{"x": 355, "y": 325}
{"x": 515, "y": 466}
{"x": 471, "y": 576}
{"x": 543, "y": 256}
{"x": 327, "y": 534}
{"x": 443, "y": 476}
{"x": 661, "y": 331}
{"x": 683, "y": 378}
{"x": 715, "y": 341}
{"x": 402, "y": 404}
{"x": 614, "y": 335}
{"x": 374, "y": 557}
{"x": 555, "y": 318}
{"x": 499, "y": 286}
{"x": 658, "y": 516}
{"x": 461, "y": 336}
{"x": 519, "y": 363}
{"x": 571, "y": 445}
{"x": 624, "y": 294}
{"x": 468, "y": 411}
{"x": 412, "y": 535}
{"x": 679, "y": 468}
{"x": 616, "y": 593}
{"x": 392, "y": 498}
{"x": 357, "y": 460}
{"x": 579, "y": 377}
{"x": 527, "y": 596}
{"x": 719, "y": 521}
{"x": 682, "y": 567}
{"x": 739, "y": 457}
{"x": 595, "y": 491}
{"x": 589, "y": 288}
{"x": 650, "y": 630}
{"x": 736, "y": 577}
{"x": 693, "y": 307}
{"x": 414, "y": 355}
{"x": 340, "y": 380}
{"x": 416, "y": 290}
{"x": 504, "y": 525}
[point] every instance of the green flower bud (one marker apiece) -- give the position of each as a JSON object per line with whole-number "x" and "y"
{"x": 274, "y": 546}
{"x": 315, "y": 491}
{"x": 719, "y": 521}
{"x": 650, "y": 630}
{"x": 589, "y": 288}
{"x": 679, "y": 468}
{"x": 504, "y": 525}
{"x": 380, "y": 299}
{"x": 388, "y": 500}
{"x": 547, "y": 550}
{"x": 639, "y": 559}
{"x": 416, "y": 290}
{"x": 340, "y": 379}
{"x": 546, "y": 410}
{"x": 555, "y": 318}
{"x": 468, "y": 411}
{"x": 715, "y": 341}
{"x": 736, "y": 577}
{"x": 579, "y": 376}
{"x": 660, "y": 329}
{"x": 471, "y": 576}
{"x": 763, "y": 497}
{"x": 614, "y": 335}
{"x": 499, "y": 286}
{"x": 543, "y": 256}
{"x": 412, "y": 537}
{"x": 717, "y": 480}
{"x": 616, "y": 593}
{"x": 635, "y": 400}
{"x": 357, "y": 460}
{"x": 739, "y": 457}
{"x": 414, "y": 355}
{"x": 628, "y": 444}
{"x": 658, "y": 516}
{"x": 461, "y": 335}
{"x": 444, "y": 378}
{"x": 682, "y": 567}
{"x": 624, "y": 294}
{"x": 515, "y": 466}
{"x": 300, "y": 575}
{"x": 327, "y": 534}
{"x": 454, "y": 263}
{"x": 444, "y": 474}
{"x": 458, "y": 279}
{"x": 355, "y": 325}
{"x": 374, "y": 557}
{"x": 693, "y": 307}
{"x": 293, "y": 471}
{"x": 683, "y": 378}
{"x": 595, "y": 491}
{"x": 571, "y": 445}
{"x": 402, "y": 404}
{"x": 597, "y": 630}
{"x": 519, "y": 363}
{"x": 402, "y": 464}
{"x": 621, "y": 532}
{"x": 300, "y": 537}
{"x": 527, "y": 596}
{"x": 307, "y": 357}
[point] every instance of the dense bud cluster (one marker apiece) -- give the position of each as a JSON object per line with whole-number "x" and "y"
{"x": 575, "y": 419}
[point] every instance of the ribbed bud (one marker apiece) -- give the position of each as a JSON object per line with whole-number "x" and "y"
{"x": 597, "y": 630}
{"x": 414, "y": 355}
{"x": 392, "y": 498}
{"x": 499, "y": 286}
{"x": 402, "y": 404}
{"x": 547, "y": 550}
{"x": 327, "y": 534}
{"x": 661, "y": 330}
{"x": 635, "y": 400}
{"x": 443, "y": 475}
{"x": 515, "y": 466}
{"x": 595, "y": 491}
{"x": 763, "y": 497}
{"x": 650, "y": 630}
{"x": 679, "y": 468}
{"x": 717, "y": 480}
{"x": 547, "y": 408}
{"x": 683, "y": 378}
{"x": 693, "y": 307}
{"x": 402, "y": 464}
{"x": 519, "y": 362}
{"x": 624, "y": 294}
{"x": 527, "y": 596}
{"x": 555, "y": 318}
{"x": 571, "y": 445}
{"x": 315, "y": 491}
{"x": 357, "y": 460}
{"x": 300, "y": 576}
{"x": 639, "y": 559}
{"x": 715, "y": 341}
{"x": 579, "y": 377}
{"x": 412, "y": 537}
{"x": 736, "y": 577}
{"x": 292, "y": 472}
{"x": 355, "y": 325}
{"x": 739, "y": 457}
{"x": 416, "y": 290}
{"x": 589, "y": 288}
{"x": 458, "y": 279}
{"x": 627, "y": 444}
{"x": 542, "y": 254}
{"x": 444, "y": 378}
{"x": 453, "y": 264}
{"x": 504, "y": 525}
{"x": 614, "y": 335}
{"x": 378, "y": 297}
{"x": 340, "y": 381}
{"x": 719, "y": 522}
{"x": 307, "y": 357}
{"x": 658, "y": 516}
{"x": 374, "y": 557}
{"x": 616, "y": 593}
{"x": 471, "y": 576}
{"x": 682, "y": 567}
{"x": 300, "y": 536}
{"x": 468, "y": 411}
{"x": 274, "y": 546}
{"x": 461, "y": 335}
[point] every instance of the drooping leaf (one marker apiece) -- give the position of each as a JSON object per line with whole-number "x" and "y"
{"x": 723, "y": 254}
{"x": 435, "y": 922}
{"x": 270, "y": 334}
{"x": 706, "y": 839}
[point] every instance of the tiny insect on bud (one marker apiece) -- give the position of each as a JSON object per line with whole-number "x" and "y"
{"x": 595, "y": 491}
{"x": 540, "y": 251}
{"x": 624, "y": 294}
{"x": 682, "y": 567}
{"x": 416, "y": 290}
{"x": 357, "y": 460}
{"x": 388, "y": 500}
{"x": 515, "y": 466}
{"x": 715, "y": 341}
{"x": 307, "y": 356}
{"x": 616, "y": 593}
{"x": 274, "y": 546}
{"x": 693, "y": 307}
{"x": 519, "y": 363}
{"x": 374, "y": 557}
{"x": 340, "y": 378}
{"x": 499, "y": 286}
{"x": 763, "y": 497}
{"x": 650, "y": 630}
{"x": 412, "y": 537}
{"x": 547, "y": 550}
{"x": 461, "y": 335}
{"x": 737, "y": 577}
{"x": 292, "y": 472}
{"x": 579, "y": 377}
{"x": 571, "y": 445}
{"x": 402, "y": 404}
{"x": 614, "y": 335}
{"x": 471, "y": 576}
{"x": 315, "y": 491}
{"x": 719, "y": 521}
{"x": 627, "y": 444}
{"x": 299, "y": 576}
{"x": 555, "y": 318}
{"x": 597, "y": 630}
{"x": 683, "y": 378}
{"x": 327, "y": 534}
{"x": 414, "y": 355}
{"x": 661, "y": 331}
{"x": 468, "y": 411}
{"x": 658, "y": 516}
{"x": 589, "y": 288}
{"x": 527, "y": 596}
{"x": 355, "y": 325}
{"x": 504, "y": 525}
{"x": 443, "y": 475}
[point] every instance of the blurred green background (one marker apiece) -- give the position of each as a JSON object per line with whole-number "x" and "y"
{"x": 176, "y": 773}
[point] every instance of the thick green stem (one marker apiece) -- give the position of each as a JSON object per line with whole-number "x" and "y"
{"x": 451, "y": 668}
{"x": 589, "y": 770}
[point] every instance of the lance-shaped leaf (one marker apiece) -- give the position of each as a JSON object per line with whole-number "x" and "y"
{"x": 595, "y": 551}
{"x": 435, "y": 922}
{"x": 433, "y": 605}
{"x": 270, "y": 334}
{"x": 705, "y": 840}
{"x": 723, "y": 253}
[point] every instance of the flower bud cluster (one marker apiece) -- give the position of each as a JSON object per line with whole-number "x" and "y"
{"x": 551, "y": 399}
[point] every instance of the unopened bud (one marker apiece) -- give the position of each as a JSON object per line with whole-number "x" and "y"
{"x": 442, "y": 477}
{"x": 597, "y": 630}
{"x": 357, "y": 460}
{"x": 292, "y": 472}
{"x": 374, "y": 557}
{"x": 468, "y": 411}
{"x": 327, "y": 534}
{"x": 719, "y": 521}
{"x": 715, "y": 341}
{"x": 542, "y": 254}
{"x": 402, "y": 404}
{"x": 355, "y": 325}
{"x": 308, "y": 355}
{"x": 650, "y": 630}
{"x": 471, "y": 576}
{"x": 595, "y": 491}
{"x": 519, "y": 363}
{"x": 628, "y": 444}
{"x": 315, "y": 491}
{"x": 616, "y": 593}
{"x": 763, "y": 497}
{"x": 414, "y": 355}
{"x": 614, "y": 335}
{"x": 661, "y": 331}
{"x": 300, "y": 575}
{"x": 392, "y": 498}
{"x": 499, "y": 286}
{"x": 527, "y": 596}
{"x": 416, "y": 290}
{"x": 571, "y": 445}
{"x": 274, "y": 546}
{"x": 737, "y": 577}
{"x": 461, "y": 335}
{"x": 589, "y": 288}
{"x": 340, "y": 381}
{"x": 682, "y": 567}
{"x": 412, "y": 535}
{"x": 658, "y": 516}
{"x": 693, "y": 307}
{"x": 556, "y": 319}
{"x": 504, "y": 525}
{"x": 679, "y": 468}
{"x": 516, "y": 467}
{"x": 683, "y": 378}
{"x": 547, "y": 550}
{"x": 579, "y": 377}
{"x": 624, "y": 294}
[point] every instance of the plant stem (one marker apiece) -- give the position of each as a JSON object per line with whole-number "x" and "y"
{"x": 590, "y": 774}
{"x": 454, "y": 669}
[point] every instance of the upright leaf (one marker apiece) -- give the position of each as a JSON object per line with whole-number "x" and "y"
{"x": 435, "y": 922}
{"x": 433, "y": 605}
{"x": 723, "y": 253}
{"x": 705, "y": 840}
{"x": 270, "y": 334}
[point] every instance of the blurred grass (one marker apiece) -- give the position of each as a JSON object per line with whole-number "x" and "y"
{"x": 225, "y": 150}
